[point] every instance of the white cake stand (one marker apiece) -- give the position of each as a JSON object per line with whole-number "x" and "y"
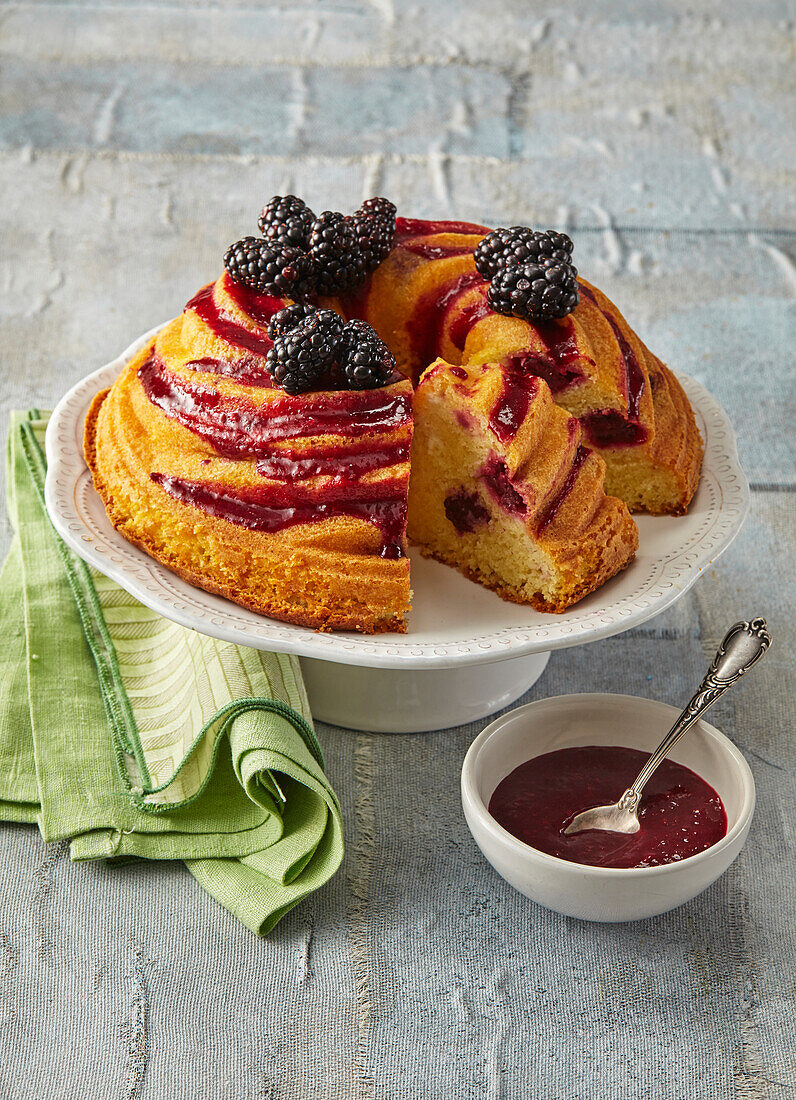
{"x": 467, "y": 653}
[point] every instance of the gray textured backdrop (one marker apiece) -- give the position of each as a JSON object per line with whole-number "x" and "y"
{"x": 137, "y": 139}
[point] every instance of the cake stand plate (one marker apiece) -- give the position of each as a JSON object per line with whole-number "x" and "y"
{"x": 467, "y": 653}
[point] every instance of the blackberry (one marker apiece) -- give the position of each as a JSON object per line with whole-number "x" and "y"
{"x": 519, "y": 245}
{"x": 301, "y": 357}
{"x": 288, "y": 220}
{"x": 536, "y": 291}
{"x": 339, "y": 265}
{"x": 287, "y": 319}
{"x": 380, "y": 208}
{"x": 269, "y": 268}
{"x": 365, "y": 361}
{"x": 374, "y": 238}
{"x": 374, "y": 223}
{"x": 353, "y": 332}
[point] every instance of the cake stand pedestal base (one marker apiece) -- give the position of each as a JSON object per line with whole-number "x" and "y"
{"x": 389, "y": 700}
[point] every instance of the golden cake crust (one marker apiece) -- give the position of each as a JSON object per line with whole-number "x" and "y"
{"x": 677, "y": 446}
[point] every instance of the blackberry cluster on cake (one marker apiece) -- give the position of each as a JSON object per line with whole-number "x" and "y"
{"x": 315, "y": 348}
{"x": 301, "y": 255}
{"x": 530, "y": 271}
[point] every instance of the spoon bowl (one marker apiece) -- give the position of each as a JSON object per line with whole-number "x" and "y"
{"x": 615, "y": 818}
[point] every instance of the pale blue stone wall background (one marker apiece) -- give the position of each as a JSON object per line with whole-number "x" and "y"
{"x": 136, "y": 140}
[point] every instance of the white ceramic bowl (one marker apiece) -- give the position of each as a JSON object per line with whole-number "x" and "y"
{"x": 599, "y": 893}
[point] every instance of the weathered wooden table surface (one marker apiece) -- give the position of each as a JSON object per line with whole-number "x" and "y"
{"x": 137, "y": 139}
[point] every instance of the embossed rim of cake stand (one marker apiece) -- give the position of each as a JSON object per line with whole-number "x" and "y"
{"x": 648, "y": 587}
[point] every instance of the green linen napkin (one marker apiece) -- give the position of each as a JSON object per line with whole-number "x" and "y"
{"x": 133, "y": 736}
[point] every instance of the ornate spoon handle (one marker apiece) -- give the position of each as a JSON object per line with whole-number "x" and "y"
{"x": 743, "y": 645}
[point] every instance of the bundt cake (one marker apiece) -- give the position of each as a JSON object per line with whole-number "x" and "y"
{"x": 260, "y": 445}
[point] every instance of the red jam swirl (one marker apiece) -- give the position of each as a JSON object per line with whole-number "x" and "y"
{"x": 680, "y": 814}
{"x": 249, "y": 371}
{"x": 336, "y": 460}
{"x": 273, "y": 508}
{"x": 608, "y": 428}
{"x": 634, "y": 373}
{"x": 236, "y": 428}
{"x": 512, "y": 405}
{"x": 553, "y": 508}
{"x": 466, "y": 511}
{"x": 558, "y": 361}
{"x": 226, "y": 327}
{"x": 424, "y": 327}
{"x": 260, "y": 307}
{"x": 467, "y": 318}
{"x": 495, "y": 476}
{"x": 418, "y": 227}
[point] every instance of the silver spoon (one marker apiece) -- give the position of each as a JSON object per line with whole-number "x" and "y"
{"x": 744, "y": 644}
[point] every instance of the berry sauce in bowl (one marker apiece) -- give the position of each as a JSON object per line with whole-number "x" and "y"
{"x": 680, "y": 814}
{"x": 536, "y": 766}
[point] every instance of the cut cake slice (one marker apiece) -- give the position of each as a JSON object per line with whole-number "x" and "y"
{"x": 503, "y": 489}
